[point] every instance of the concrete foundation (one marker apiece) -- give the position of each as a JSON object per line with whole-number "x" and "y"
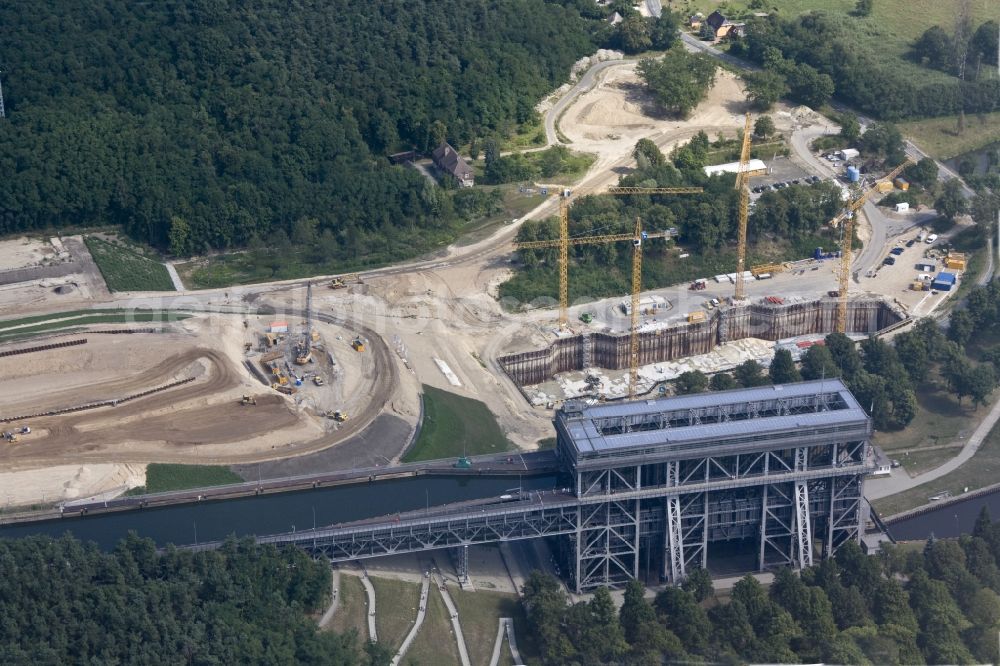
{"x": 767, "y": 321}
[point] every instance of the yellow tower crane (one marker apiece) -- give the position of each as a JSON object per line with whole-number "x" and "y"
{"x": 637, "y": 238}
{"x": 743, "y": 185}
{"x": 848, "y": 216}
{"x": 564, "y": 239}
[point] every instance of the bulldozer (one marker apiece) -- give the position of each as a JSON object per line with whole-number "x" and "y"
{"x": 341, "y": 282}
{"x": 358, "y": 344}
{"x": 248, "y": 400}
{"x": 338, "y": 416}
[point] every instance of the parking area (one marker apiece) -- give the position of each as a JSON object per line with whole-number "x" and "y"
{"x": 911, "y": 259}
{"x": 782, "y": 172}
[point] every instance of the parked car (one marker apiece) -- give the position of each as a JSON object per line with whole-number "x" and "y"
{"x": 889, "y": 261}
{"x": 910, "y": 242}
{"x": 896, "y": 251}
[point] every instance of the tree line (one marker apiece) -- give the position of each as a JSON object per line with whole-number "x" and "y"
{"x": 819, "y": 54}
{"x": 936, "y": 606}
{"x": 63, "y": 601}
{"x": 199, "y": 125}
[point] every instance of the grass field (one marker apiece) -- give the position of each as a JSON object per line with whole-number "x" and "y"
{"x": 352, "y": 612}
{"x": 480, "y": 612}
{"x": 454, "y": 425}
{"x": 982, "y": 470}
{"x": 940, "y": 421}
{"x": 161, "y": 477}
{"x": 940, "y": 137}
{"x": 10, "y": 330}
{"x": 435, "y": 642}
{"x": 396, "y": 610}
{"x": 905, "y": 20}
{"x": 126, "y": 270}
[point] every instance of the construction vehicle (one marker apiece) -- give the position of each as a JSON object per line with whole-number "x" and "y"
{"x": 358, "y": 344}
{"x": 318, "y": 381}
{"x": 287, "y": 390}
{"x": 565, "y": 241}
{"x": 303, "y": 350}
{"x": 586, "y": 317}
{"x": 463, "y": 463}
{"x": 248, "y": 400}
{"x": 847, "y": 242}
{"x": 338, "y": 416}
{"x": 698, "y": 285}
{"x": 340, "y": 282}
{"x": 11, "y": 437}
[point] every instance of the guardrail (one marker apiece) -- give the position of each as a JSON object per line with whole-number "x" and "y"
{"x": 57, "y": 345}
{"x": 94, "y": 405}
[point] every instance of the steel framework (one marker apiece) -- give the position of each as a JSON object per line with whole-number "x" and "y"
{"x": 779, "y": 470}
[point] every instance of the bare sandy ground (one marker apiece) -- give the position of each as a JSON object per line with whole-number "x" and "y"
{"x": 24, "y": 251}
{"x": 67, "y": 482}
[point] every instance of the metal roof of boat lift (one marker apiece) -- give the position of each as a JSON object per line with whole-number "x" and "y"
{"x": 587, "y": 438}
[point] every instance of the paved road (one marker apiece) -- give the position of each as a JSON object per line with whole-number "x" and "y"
{"x": 900, "y": 481}
{"x": 585, "y": 83}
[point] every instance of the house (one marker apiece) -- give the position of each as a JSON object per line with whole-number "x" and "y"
{"x": 615, "y": 19}
{"x": 723, "y": 27}
{"x": 450, "y": 162}
{"x": 695, "y": 21}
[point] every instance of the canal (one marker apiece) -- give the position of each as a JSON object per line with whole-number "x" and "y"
{"x": 951, "y": 520}
{"x": 184, "y": 524}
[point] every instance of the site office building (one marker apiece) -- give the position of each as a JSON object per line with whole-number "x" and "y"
{"x": 755, "y": 479}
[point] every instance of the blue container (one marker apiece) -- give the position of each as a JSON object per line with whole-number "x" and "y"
{"x": 853, "y": 174}
{"x": 818, "y": 253}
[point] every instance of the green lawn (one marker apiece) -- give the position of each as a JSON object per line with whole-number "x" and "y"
{"x": 940, "y": 137}
{"x": 396, "y": 604}
{"x": 352, "y": 611}
{"x": 161, "y": 477}
{"x": 939, "y": 421}
{"x": 982, "y": 470}
{"x": 480, "y": 612}
{"x": 435, "y": 642}
{"x": 454, "y": 425}
{"x": 126, "y": 270}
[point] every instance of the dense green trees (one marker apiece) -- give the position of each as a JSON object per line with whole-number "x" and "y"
{"x": 834, "y": 47}
{"x": 200, "y": 125}
{"x": 764, "y": 88}
{"x": 939, "y": 606}
{"x": 679, "y": 80}
{"x": 67, "y": 602}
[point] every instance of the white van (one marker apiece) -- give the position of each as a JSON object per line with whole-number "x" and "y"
{"x": 931, "y": 238}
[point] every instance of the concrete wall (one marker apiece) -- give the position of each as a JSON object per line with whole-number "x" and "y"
{"x": 760, "y": 320}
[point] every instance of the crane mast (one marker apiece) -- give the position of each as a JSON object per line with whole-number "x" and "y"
{"x": 742, "y": 184}
{"x": 847, "y": 252}
{"x": 564, "y": 240}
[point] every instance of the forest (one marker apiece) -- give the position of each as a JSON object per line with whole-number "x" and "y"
{"x": 210, "y": 124}
{"x": 935, "y": 605}
{"x": 63, "y": 601}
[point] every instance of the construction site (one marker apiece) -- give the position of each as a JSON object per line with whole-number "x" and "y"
{"x": 285, "y": 370}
